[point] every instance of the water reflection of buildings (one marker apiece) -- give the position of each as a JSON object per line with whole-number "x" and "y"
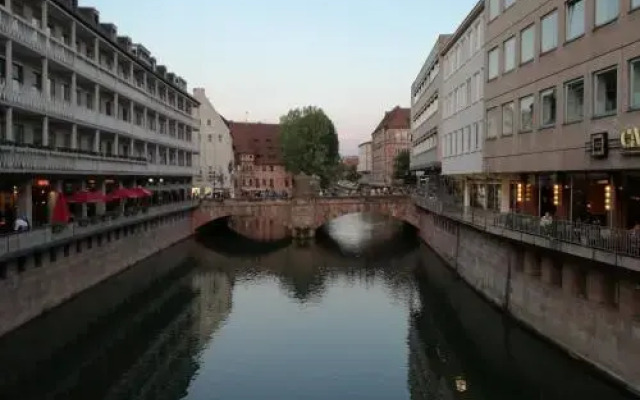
{"x": 259, "y": 229}
{"x": 147, "y": 347}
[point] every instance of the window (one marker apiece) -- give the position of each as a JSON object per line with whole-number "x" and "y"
{"x": 606, "y": 11}
{"x": 635, "y": 82}
{"x": 18, "y": 74}
{"x": 210, "y": 137}
{"x": 493, "y": 63}
{"x": 508, "y": 3}
{"x": 549, "y": 103}
{"x": 507, "y": 119}
{"x": 493, "y": 118}
{"x": 209, "y": 122}
{"x": 549, "y": 34}
{"x": 574, "y": 95}
{"x": 494, "y": 9}
{"x": 510, "y": 54}
{"x": 606, "y": 92}
{"x": 527, "y": 41}
{"x": 575, "y": 19}
{"x": 526, "y": 113}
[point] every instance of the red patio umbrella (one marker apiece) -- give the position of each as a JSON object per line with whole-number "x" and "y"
{"x": 60, "y": 214}
{"x": 87, "y": 196}
{"x": 144, "y": 192}
{"x": 124, "y": 193}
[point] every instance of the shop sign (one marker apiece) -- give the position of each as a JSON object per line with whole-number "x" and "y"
{"x": 599, "y": 145}
{"x": 630, "y": 139}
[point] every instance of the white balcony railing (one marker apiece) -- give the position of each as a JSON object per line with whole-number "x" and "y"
{"x": 32, "y": 99}
{"x": 41, "y": 237}
{"x": 21, "y": 159}
{"x": 39, "y": 41}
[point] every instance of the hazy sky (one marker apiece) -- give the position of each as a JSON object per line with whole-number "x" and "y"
{"x": 353, "y": 58}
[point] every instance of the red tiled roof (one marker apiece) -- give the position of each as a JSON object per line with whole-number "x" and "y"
{"x": 398, "y": 118}
{"x": 261, "y": 140}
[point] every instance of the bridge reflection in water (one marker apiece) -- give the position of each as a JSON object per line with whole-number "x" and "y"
{"x": 364, "y": 313}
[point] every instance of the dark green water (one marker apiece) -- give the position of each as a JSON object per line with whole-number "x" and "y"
{"x": 369, "y": 315}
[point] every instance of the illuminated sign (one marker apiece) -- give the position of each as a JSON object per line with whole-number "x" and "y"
{"x": 630, "y": 139}
{"x": 42, "y": 182}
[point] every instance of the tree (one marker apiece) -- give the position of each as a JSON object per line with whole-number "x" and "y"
{"x": 350, "y": 173}
{"x": 401, "y": 165}
{"x": 309, "y": 143}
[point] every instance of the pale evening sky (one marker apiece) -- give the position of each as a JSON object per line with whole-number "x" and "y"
{"x": 354, "y": 58}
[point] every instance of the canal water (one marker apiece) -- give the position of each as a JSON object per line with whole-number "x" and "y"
{"x": 363, "y": 312}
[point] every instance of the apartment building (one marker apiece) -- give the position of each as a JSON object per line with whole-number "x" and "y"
{"x": 425, "y": 112}
{"x": 563, "y": 107}
{"x": 215, "y": 151}
{"x": 84, "y": 109}
{"x": 365, "y": 159}
{"x": 391, "y": 136}
{"x": 260, "y": 168}
{"x": 462, "y": 120}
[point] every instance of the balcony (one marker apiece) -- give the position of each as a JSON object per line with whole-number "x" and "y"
{"x": 37, "y": 40}
{"x": 34, "y": 100}
{"x": 615, "y": 247}
{"x": 47, "y": 160}
{"x": 14, "y": 245}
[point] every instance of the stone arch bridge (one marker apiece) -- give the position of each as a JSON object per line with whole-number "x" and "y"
{"x": 307, "y": 214}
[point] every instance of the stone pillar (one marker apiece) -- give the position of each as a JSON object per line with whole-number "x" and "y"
{"x": 131, "y": 72}
{"x": 45, "y": 131}
{"x": 96, "y": 50}
{"x": 96, "y": 141}
{"x": 145, "y": 149}
{"x": 73, "y": 34}
{"x": 45, "y": 15}
{"x": 74, "y": 136}
{"x": 145, "y": 118}
{"x": 8, "y": 59}
{"x": 168, "y": 154}
{"x": 132, "y": 110}
{"x": 157, "y": 154}
{"x": 116, "y": 108}
{"x": 115, "y": 63}
{"x": 83, "y": 186}
{"x": 74, "y": 89}
{"x": 25, "y": 201}
{"x": 132, "y": 147}
{"x": 46, "y": 90}
{"x": 157, "y": 129}
{"x": 96, "y": 98}
{"x": 116, "y": 144}
{"x": 505, "y": 200}
{"x": 467, "y": 193}
{"x": 101, "y": 208}
{"x": 8, "y": 124}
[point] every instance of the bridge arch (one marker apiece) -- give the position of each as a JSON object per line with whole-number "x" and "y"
{"x": 393, "y": 207}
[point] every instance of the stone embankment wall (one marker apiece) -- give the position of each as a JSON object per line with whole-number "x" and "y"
{"x": 39, "y": 282}
{"x": 589, "y": 309}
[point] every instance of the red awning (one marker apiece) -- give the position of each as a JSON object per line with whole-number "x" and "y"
{"x": 124, "y": 193}
{"x": 86, "y": 196}
{"x": 60, "y": 214}
{"x": 144, "y": 192}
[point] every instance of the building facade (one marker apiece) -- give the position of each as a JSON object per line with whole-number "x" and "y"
{"x": 84, "y": 108}
{"x": 425, "y": 111}
{"x": 260, "y": 169}
{"x": 391, "y": 137}
{"x": 462, "y": 124}
{"x": 365, "y": 159}
{"x": 563, "y": 107}
{"x": 215, "y": 152}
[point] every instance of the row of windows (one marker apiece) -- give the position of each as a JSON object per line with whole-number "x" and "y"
{"x": 428, "y": 78}
{"x": 429, "y": 108}
{"x": 464, "y": 96}
{"x": 606, "y": 11}
{"x": 426, "y": 143}
{"x": 463, "y": 141}
{"x": 256, "y": 183}
{"x": 498, "y": 6}
{"x": 468, "y": 45}
{"x": 605, "y": 102}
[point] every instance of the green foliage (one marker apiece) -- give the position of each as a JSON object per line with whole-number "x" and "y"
{"x": 350, "y": 173}
{"x": 309, "y": 143}
{"x": 401, "y": 165}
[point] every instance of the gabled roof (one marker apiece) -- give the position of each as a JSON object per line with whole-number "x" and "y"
{"x": 261, "y": 140}
{"x": 398, "y": 118}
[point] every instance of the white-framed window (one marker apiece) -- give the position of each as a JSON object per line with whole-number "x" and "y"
{"x": 575, "y": 19}
{"x": 606, "y": 11}
{"x": 574, "y": 100}
{"x": 472, "y": 40}
{"x": 468, "y": 95}
{"x": 509, "y": 54}
{"x": 526, "y": 113}
{"x": 494, "y": 63}
{"x": 634, "y": 70}
{"x": 467, "y": 138}
{"x": 549, "y": 105}
{"x": 480, "y": 86}
{"x": 480, "y": 35}
{"x": 494, "y": 9}
{"x": 507, "y": 118}
{"x": 493, "y": 122}
{"x": 527, "y": 43}
{"x": 605, "y": 90}
{"x": 549, "y": 32}
{"x": 635, "y": 4}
